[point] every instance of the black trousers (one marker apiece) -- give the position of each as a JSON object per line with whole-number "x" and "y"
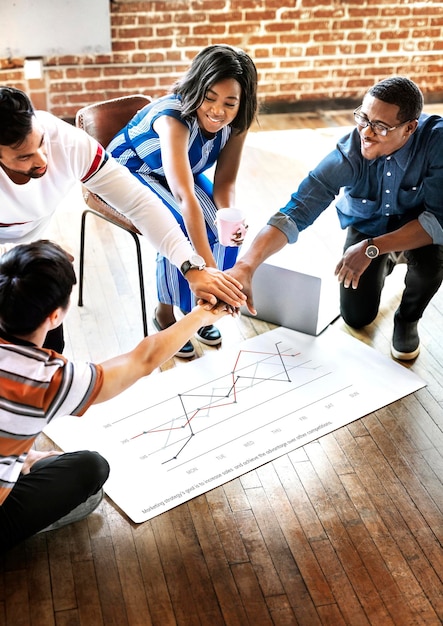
{"x": 423, "y": 278}
{"x": 54, "y": 487}
{"x": 55, "y": 339}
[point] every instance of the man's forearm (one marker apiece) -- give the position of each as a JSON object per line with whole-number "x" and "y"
{"x": 266, "y": 243}
{"x": 408, "y": 237}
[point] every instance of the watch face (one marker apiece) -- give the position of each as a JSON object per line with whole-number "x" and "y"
{"x": 372, "y": 251}
{"x": 197, "y": 260}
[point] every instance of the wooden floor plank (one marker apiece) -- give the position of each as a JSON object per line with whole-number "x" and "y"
{"x": 156, "y": 587}
{"x": 227, "y": 592}
{"x": 61, "y": 567}
{"x": 406, "y": 525}
{"x": 275, "y": 477}
{"x": 258, "y": 554}
{"x": 251, "y": 594}
{"x": 112, "y": 597}
{"x": 67, "y": 618}
{"x": 40, "y": 590}
{"x": 281, "y": 611}
{"x": 330, "y": 614}
{"x": 350, "y": 583}
{"x": 366, "y": 489}
{"x": 227, "y": 528}
{"x": 129, "y": 571}
{"x": 411, "y": 472}
{"x": 202, "y": 589}
{"x": 17, "y": 608}
{"x": 175, "y": 573}
{"x": 236, "y": 496}
{"x": 87, "y": 592}
{"x": 287, "y": 569}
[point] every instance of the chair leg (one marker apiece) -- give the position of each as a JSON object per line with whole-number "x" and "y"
{"x": 82, "y": 258}
{"x": 141, "y": 281}
{"x": 139, "y": 265}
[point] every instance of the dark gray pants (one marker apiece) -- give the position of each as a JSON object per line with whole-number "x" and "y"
{"x": 55, "y": 339}
{"x": 424, "y": 276}
{"x": 55, "y": 486}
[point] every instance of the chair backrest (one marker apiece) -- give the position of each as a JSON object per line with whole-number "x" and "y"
{"x": 104, "y": 119}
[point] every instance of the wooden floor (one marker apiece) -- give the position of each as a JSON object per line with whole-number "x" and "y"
{"x": 345, "y": 530}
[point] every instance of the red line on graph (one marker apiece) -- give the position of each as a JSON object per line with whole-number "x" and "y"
{"x": 233, "y": 390}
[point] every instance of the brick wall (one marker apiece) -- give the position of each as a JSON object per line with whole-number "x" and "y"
{"x": 308, "y": 52}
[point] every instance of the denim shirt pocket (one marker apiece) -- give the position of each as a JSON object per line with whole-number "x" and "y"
{"x": 411, "y": 196}
{"x": 357, "y": 207}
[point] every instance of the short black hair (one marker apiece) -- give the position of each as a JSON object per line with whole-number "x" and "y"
{"x": 16, "y": 116}
{"x": 403, "y": 92}
{"x": 211, "y": 65}
{"x": 35, "y": 280}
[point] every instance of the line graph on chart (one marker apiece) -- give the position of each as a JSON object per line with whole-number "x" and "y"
{"x": 217, "y": 401}
{"x": 179, "y": 433}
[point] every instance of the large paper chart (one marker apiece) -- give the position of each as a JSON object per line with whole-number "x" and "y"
{"x": 179, "y": 433}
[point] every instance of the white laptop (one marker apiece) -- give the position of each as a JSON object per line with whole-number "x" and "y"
{"x": 296, "y": 287}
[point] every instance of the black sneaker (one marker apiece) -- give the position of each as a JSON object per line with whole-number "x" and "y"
{"x": 187, "y": 351}
{"x": 405, "y": 340}
{"x": 210, "y": 335}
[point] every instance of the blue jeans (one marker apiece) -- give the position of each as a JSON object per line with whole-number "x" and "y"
{"x": 54, "y": 487}
{"x": 424, "y": 276}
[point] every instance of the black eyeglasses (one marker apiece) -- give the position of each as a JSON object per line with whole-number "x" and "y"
{"x": 377, "y": 127}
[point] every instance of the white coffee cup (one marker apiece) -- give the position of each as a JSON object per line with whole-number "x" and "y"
{"x": 229, "y": 223}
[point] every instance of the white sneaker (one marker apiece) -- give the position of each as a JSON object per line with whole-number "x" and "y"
{"x": 80, "y": 512}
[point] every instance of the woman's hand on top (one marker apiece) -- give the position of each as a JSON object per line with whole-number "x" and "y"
{"x": 213, "y": 285}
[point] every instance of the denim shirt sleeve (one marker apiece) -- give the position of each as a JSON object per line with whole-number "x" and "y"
{"x": 318, "y": 190}
{"x": 432, "y": 226}
{"x": 429, "y": 148}
{"x": 286, "y": 225}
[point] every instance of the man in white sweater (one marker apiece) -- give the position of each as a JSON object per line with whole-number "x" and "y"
{"x": 43, "y": 157}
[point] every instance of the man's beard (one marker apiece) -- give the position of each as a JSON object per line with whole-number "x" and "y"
{"x": 34, "y": 174}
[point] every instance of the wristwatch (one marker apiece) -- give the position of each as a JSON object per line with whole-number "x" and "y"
{"x": 196, "y": 262}
{"x": 372, "y": 251}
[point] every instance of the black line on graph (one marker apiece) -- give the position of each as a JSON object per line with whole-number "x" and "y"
{"x": 269, "y": 354}
{"x": 253, "y": 430}
{"x": 230, "y": 395}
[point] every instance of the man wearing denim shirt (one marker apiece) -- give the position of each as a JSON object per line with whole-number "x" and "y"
{"x": 391, "y": 170}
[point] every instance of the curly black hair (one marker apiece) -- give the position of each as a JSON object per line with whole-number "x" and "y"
{"x": 403, "y": 92}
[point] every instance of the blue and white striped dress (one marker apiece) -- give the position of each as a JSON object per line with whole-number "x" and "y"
{"x": 137, "y": 146}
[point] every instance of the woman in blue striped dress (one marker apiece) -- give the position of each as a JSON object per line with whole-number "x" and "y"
{"x": 170, "y": 143}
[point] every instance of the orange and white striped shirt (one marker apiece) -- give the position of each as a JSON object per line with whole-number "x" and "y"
{"x": 36, "y": 385}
